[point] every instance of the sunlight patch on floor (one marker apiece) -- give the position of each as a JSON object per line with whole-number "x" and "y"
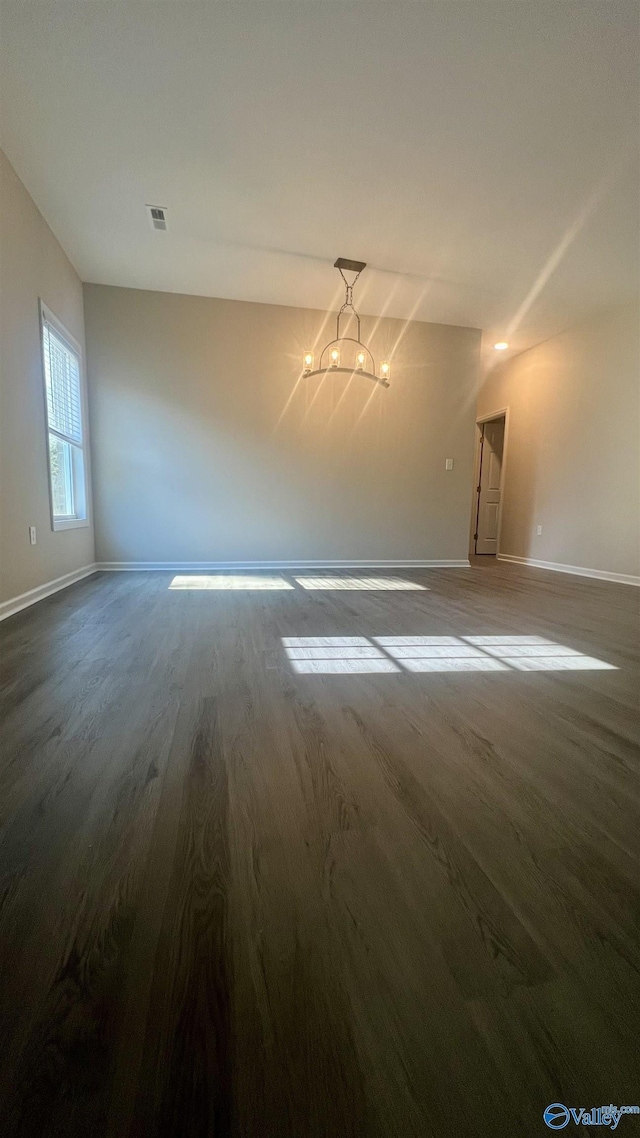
{"x": 574, "y": 663}
{"x": 454, "y": 664}
{"x": 329, "y": 667}
{"x": 334, "y": 654}
{"x": 220, "y": 581}
{"x": 503, "y": 639}
{"x": 323, "y": 641}
{"x": 372, "y": 583}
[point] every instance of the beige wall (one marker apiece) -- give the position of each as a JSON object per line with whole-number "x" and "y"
{"x": 206, "y": 451}
{"x": 32, "y": 265}
{"x": 573, "y": 461}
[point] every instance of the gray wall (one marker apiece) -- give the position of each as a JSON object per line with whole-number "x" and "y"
{"x": 573, "y": 459}
{"x": 206, "y": 450}
{"x": 32, "y": 265}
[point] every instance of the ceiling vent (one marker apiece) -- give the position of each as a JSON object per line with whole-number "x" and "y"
{"x": 157, "y": 215}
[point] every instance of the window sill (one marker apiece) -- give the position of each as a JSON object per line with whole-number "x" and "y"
{"x": 69, "y": 523}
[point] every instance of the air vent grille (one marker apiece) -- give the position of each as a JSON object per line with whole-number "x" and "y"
{"x": 157, "y": 215}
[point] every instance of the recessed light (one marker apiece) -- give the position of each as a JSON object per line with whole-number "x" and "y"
{"x": 501, "y": 346}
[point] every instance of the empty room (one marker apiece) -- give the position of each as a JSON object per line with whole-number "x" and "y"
{"x": 319, "y": 568}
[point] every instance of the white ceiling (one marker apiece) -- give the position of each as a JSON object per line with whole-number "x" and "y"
{"x": 480, "y": 155}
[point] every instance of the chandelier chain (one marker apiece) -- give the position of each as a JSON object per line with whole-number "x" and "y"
{"x": 348, "y": 301}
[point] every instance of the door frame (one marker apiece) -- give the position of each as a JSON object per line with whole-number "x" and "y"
{"x": 501, "y": 413}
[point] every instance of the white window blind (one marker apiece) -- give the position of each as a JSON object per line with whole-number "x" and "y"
{"x": 63, "y": 398}
{"x": 62, "y": 377}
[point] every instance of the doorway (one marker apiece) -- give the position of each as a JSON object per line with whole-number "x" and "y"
{"x": 489, "y": 484}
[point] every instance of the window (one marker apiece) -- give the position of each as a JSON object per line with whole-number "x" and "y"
{"x": 65, "y": 424}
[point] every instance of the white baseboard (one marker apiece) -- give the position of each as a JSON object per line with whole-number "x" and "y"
{"x": 16, "y": 604}
{"x": 576, "y": 570}
{"x": 32, "y": 596}
{"x": 213, "y": 566}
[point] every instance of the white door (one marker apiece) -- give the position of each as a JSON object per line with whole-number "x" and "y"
{"x": 489, "y": 486}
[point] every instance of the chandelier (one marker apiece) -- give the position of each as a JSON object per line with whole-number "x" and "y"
{"x": 336, "y": 354}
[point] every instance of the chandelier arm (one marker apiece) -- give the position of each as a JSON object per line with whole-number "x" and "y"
{"x": 350, "y": 340}
{"x": 347, "y": 371}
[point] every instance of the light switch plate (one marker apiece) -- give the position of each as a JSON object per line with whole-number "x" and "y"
{"x": 448, "y": 464}
{"x": 539, "y": 530}
{"x": 32, "y": 535}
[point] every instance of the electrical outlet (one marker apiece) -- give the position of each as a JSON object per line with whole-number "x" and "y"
{"x": 32, "y": 535}
{"x": 539, "y": 530}
{"x": 448, "y": 464}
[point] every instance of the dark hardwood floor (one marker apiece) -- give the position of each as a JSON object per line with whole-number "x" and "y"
{"x": 239, "y": 899}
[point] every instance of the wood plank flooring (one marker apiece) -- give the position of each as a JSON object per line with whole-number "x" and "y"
{"x": 241, "y": 900}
